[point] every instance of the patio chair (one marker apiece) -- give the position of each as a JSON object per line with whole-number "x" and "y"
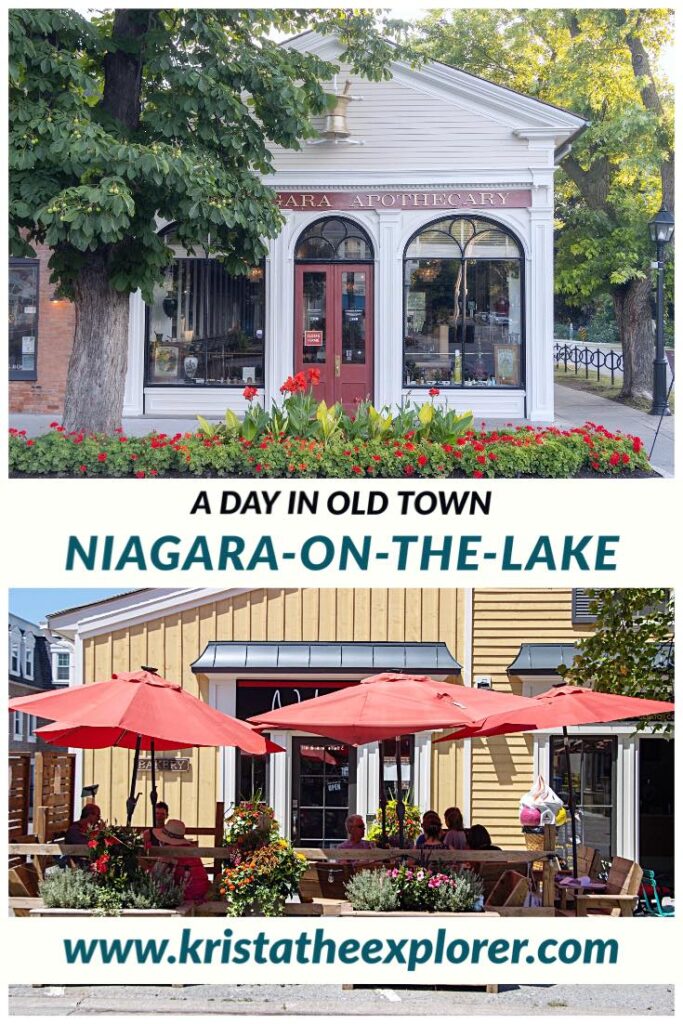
{"x": 650, "y": 898}
{"x": 620, "y": 895}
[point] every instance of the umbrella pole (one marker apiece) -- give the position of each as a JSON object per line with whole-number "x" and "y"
{"x": 132, "y": 799}
{"x": 570, "y": 790}
{"x": 153, "y": 791}
{"x": 400, "y": 806}
{"x": 382, "y": 795}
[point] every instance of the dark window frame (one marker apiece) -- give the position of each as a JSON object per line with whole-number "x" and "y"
{"x": 31, "y": 375}
{"x": 450, "y": 385}
{"x": 360, "y": 231}
{"x": 168, "y": 230}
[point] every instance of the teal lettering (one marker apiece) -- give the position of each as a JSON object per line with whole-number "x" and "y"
{"x": 230, "y": 551}
{"x": 132, "y": 553}
{"x": 541, "y": 554}
{"x": 159, "y": 559}
{"x": 264, "y": 552}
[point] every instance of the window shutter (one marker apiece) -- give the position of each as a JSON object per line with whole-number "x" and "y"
{"x": 581, "y": 607}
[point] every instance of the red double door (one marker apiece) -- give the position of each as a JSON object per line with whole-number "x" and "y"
{"x": 333, "y": 329}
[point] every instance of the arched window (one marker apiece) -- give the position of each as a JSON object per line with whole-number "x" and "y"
{"x": 334, "y": 240}
{"x": 205, "y": 327}
{"x": 463, "y": 306}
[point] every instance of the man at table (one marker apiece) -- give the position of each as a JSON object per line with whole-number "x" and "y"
{"x": 77, "y": 834}
{"x": 355, "y": 830}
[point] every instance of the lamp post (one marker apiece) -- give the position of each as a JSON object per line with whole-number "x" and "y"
{"x": 661, "y": 233}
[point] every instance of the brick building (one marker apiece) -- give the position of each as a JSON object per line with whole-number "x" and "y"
{"x": 41, "y": 331}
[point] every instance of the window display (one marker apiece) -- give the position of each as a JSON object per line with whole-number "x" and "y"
{"x": 23, "y": 319}
{"x": 206, "y": 327}
{"x": 463, "y": 320}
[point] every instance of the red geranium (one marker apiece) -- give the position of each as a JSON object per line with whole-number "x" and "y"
{"x": 250, "y": 393}
{"x": 434, "y": 392}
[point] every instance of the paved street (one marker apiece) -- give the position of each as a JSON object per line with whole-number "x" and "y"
{"x": 328, "y": 1000}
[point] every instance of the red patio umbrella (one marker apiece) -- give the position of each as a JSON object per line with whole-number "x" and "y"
{"x": 387, "y": 706}
{"x": 564, "y": 706}
{"x": 145, "y": 710}
{"x": 100, "y": 737}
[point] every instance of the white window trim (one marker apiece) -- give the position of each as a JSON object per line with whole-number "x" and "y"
{"x": 31, "y": 729}
{"x": 29, "y": 653}
{"x": 17, "y": 726}
{"x": 56, "y": 655}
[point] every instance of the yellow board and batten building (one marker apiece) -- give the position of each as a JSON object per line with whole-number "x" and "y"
{"x": 498, "y": 638}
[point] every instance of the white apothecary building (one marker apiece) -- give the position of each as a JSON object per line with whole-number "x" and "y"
{"x": 417, "y": 252}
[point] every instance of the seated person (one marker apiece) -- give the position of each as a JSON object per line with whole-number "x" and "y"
{"x": 189, "y": 870}
{"x": 77, "y": 835}
{"x": 355, "y": 830}
{"x": 431, "y": 832}
{"x": 478, "y": 838}
{"x": 160, "y": 816}
{"x": 455, "y": 838}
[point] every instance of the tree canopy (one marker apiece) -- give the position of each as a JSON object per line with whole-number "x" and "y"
{"x": 631, "y": 649}
{"x": 600, "y": 63}
{"x": 140, "y": 114}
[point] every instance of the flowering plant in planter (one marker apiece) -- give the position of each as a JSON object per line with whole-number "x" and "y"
{"x": 261, "y": 880}
{"x": 412, "y": 824}
{"x": 114, "y": 852}
{"x": 251, "y": 824}
{"x": 415, "y": 888}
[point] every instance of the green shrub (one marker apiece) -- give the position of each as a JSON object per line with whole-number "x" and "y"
{"x": 72, "y": 887}
{"x": 372, "y": 890}
{"x": 463, "y": 893}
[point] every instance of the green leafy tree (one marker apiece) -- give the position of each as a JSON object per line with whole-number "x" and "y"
{"x": 631, "y": 649}
{"x": 602, "y": 64}
{"x": 140, "y": 116}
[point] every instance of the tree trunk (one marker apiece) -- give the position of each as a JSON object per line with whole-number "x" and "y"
{"x": 97, "y": 369}
{"x": 633, "y": 313}
{"x": 99, "y": 358}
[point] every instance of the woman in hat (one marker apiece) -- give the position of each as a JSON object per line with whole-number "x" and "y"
{"x": 189, "y": 870}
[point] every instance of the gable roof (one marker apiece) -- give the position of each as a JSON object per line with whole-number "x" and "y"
{"x": 456, "y": 84}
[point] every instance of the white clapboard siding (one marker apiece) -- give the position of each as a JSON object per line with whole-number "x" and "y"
{"x": 405, "y": 129}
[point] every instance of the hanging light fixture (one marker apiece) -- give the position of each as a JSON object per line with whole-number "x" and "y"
{"x": 428, "y": 272}
{"x": 255, "y": 274}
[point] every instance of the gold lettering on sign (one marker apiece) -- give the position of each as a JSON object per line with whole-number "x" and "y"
{"x": 291, "y": 201}
{"x": 419, "y": 199}
{"x": 388, "y": 199}
{"x": 471, "y": 200}
{"x": 487, "y": 197}
{"x": 324, "y": 201}
{"x": 439, "y": 199}
{"x": 454, "y": 199}
{"x": 307, "y": 200}
{"x": 357, "y": 201}
{"x": 503, "y": 197}
{"x": 377, "y": 198}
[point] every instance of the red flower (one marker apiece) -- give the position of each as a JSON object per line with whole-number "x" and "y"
{"x": 448, "y": 448}
{"x": 258, "y": 467}
{"x": 614, "y": 459}
{"x": 154, "y": 472}
{"x": 625, "y": 458}
{"x": 434, "y": 392}
{"x": 409, "y": 470}
{"x": 313, "y": 376}
{"x": 477, "y": 473}
{"x": 637, "y": 444}
{"x": 53, "y": 425}
{"x": 29, "y": 444}
{"x": 102, "y": 457}
{"x": 422, "y": 460}
{"x": 481, "y": 459}
{"x": 250, "y": 393}
{"x": 357, "y": 470}
{"x": 83, "y": 469}
{"x": 376, "y": 458}
{"x": 493, "y": 456}
{"x": 140, "y": 473}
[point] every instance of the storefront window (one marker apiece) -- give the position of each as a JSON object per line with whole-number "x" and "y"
{"x": 333, "y": 239}
{"x": 23, "y": 319}
{"x": 206, "y": 327}
{"x": 463, "y": 320}
{"x": 593, "y": 762}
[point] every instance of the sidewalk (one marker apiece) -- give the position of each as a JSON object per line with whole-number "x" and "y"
{"x": 332, "y": 1000}
{"x": 572, "y": 409}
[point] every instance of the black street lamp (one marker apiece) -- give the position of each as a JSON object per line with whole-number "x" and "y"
{"x": 661, "y": 233}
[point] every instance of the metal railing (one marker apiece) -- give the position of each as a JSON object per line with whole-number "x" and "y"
{"x": 586, "y": 358}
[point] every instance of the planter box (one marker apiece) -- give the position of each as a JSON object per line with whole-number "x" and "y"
{"x": 348, "y": 911}
{"x": 182, "y": 911}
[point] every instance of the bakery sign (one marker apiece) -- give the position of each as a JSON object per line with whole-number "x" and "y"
{"x": 446, "y": 199}
{"x": 165, "y": 764}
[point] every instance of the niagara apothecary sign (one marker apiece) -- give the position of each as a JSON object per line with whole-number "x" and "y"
{"x": 444, "y": 199}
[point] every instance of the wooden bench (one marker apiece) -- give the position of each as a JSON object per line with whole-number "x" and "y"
{"x": 620, "y": 895}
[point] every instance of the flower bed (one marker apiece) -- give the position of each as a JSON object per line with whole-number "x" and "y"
{"x": 590, "y": 450}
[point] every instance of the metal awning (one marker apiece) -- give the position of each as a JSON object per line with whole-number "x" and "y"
{"x": 543, "y": 659}
{"x": 234, "y": 656}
